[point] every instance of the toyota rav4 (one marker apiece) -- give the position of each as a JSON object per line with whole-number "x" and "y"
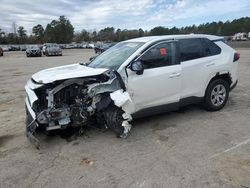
{"x": 134, "y": 78}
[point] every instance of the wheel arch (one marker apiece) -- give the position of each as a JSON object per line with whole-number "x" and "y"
{"x": 225, "y": 75}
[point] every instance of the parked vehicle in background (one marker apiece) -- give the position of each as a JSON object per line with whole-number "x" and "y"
{"x": 33, "y": 51}
{"x": 103, "y": 47}
{"x": 240, "y": 37}
{"x": 5, "y": 48}
{"x": 14, "y": 48}
{"x": 1, "y": 51}
{"x": 90, "y": 46}
{"x": 23, "y": 47}
{"x": 52, "y": 49}
{"x": 70, "y": 46}
{"x": 62, "y": 46}
{"x": 135, "y": 78}
{"x": 44, "y": 47}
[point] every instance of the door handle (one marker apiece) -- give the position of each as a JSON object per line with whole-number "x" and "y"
{"x": 175, "y": 74}
{"x": 209, "y": 64}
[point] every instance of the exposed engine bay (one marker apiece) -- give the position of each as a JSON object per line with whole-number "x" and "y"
{"x": 77, "y": 102}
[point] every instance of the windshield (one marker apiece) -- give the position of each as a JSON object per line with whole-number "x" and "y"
{"x": 115, "y": 56}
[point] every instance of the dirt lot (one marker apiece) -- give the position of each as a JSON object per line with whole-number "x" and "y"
{"x": 239, "y": 44}
{"x": 188, "y": 148}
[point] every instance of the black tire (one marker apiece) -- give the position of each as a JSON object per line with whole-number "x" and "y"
{"x": 213, "y": 103}
{"x": 114, "y": 119}
{"x": 27, "y": 55}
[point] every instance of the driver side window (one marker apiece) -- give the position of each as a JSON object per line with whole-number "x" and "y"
{"x": 162, "y": 54}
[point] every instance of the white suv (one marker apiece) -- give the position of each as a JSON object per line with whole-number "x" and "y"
{"x": 134, "y": 78}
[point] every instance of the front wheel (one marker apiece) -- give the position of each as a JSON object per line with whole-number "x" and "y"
{"x": 113, "y": 117}
{"x": 115, "y": 121}
{"x": 216, "y": 95}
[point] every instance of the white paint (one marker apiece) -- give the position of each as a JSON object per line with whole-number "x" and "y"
{"x": 155, "y": 86}
{"x": 122, "y": 99}
{"x": 127, "y": 127}
{"x": 127, "y": 117}
{"x": 32, "y": 113}
{"x": 119, "y": 97}
{"x": 167, "y": 37}
{"x": 31, "y": 95}
{"x": 232, "y": 148}
{"x": 164, "y": 85}
{"x": 65, "y": 72}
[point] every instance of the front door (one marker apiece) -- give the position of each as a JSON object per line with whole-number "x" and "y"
{"x": 161, "y": 80}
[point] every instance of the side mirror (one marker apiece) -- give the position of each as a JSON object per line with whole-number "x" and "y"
{"x": 137, "y": 67}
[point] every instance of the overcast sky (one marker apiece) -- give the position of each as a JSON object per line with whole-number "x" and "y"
{"x": 131, "y": 14}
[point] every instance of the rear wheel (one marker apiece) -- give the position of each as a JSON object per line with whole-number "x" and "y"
{"x": 216, "y": 95}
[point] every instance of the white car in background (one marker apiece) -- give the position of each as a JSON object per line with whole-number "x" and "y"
{"x": 51, "y": 49}
{"x": 90, "y": 45}
{"x": 135, "y": 78}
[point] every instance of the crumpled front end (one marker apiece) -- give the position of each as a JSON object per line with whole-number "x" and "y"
{"x": 77, "y": 102}
{"x": 31, "y": 123}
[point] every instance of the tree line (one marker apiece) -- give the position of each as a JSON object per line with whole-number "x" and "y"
{"x": 62, "y": 31}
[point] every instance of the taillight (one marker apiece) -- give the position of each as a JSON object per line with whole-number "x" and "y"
{"x": 236, "y": 56}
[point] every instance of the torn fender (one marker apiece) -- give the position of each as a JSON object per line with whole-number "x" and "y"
{"x": 122, "y": 99}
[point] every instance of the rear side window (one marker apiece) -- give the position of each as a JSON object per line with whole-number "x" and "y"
{"x": 210, "y": 48}
{"x": 161, "y": 55}
{"x": 191, "y": 49}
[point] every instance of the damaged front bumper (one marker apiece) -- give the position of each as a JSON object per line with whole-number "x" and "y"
{"x": 31, "y": 124}
{"x": 77, "y": 102}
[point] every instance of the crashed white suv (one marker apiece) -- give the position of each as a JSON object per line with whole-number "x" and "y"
{"x": 134, "y": 78}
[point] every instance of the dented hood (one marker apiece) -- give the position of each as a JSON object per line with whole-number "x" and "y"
{"x": 65, "y": 72}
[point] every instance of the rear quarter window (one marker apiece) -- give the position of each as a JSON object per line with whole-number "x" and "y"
{"x": 210, "y": 48}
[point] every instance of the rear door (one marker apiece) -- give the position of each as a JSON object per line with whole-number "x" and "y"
{"x": 161, "y": 81}
{"x": 198, "y": 62}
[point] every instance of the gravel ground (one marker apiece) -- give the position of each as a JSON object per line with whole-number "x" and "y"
{"x": 188, "y": 148}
